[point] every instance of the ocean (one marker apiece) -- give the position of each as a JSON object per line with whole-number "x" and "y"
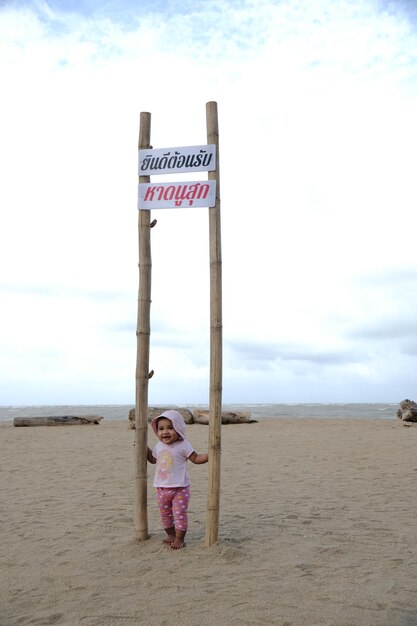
{"x": 257, "y": 411}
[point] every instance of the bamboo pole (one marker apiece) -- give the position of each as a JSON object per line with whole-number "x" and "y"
{"x": 216, "y": 331}
{"x": 143, "y": 333}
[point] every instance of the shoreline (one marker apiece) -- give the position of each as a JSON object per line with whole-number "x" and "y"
{"x": 256, "y": 411}
{"x": 257, "y": 420}
{"x": 253, "y": 420}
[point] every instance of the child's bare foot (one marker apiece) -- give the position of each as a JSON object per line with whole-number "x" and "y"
{"x": 169, "y": 540}
{"x": 177, "y": 544}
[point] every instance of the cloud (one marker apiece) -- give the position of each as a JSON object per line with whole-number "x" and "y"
{"x": 317, "y": 135}
{"x": 256, "y": 353}
{"x": 388, "y": 329}
{"x": 60, "y": 291}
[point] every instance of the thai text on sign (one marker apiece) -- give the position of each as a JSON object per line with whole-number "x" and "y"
{"x": 181, "y": 195}
{"x": 175, "y": 160}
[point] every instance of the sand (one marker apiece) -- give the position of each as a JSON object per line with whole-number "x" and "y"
{"x": 318, "y": 527}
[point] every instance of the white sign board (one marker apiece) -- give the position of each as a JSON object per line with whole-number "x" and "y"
{"x": 177, "y": 195}
{"x": 175, "y": 160}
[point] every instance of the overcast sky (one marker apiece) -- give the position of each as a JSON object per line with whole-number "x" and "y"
{"x": 317, "y": 104}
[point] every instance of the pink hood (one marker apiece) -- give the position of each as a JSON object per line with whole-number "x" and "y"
{"x": 176, "y": 419}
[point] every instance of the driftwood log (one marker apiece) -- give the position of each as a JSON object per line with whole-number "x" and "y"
{"x": 155, "y": 411}
{"x": 57, "y": 420}
{"x": 407, "y": 411}
{"x": 196, "y": 416}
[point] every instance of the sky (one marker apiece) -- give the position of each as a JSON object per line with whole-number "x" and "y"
{"x": 318, "y": 133}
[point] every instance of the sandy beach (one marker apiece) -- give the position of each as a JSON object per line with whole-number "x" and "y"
{"x": 318, "y": 527}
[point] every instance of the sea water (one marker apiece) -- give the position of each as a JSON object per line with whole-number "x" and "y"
{"x": 257, "y": 411}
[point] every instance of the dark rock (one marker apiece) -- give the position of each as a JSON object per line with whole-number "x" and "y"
{"x": 407, "y": 411}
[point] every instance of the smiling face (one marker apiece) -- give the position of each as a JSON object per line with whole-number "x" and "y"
{"x": 166, "y": 432}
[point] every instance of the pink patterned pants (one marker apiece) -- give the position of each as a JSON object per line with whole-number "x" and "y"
{"x": 173, "y": 506}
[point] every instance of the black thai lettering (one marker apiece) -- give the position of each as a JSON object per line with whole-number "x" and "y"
{"x": 172, "y": 162}
{"x": 176, "y": 161}
{"x": 189, "y": 161}
{"x": 207, "y": 158}
{"x": 145, "y": 163}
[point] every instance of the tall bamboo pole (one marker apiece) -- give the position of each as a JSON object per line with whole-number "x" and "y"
{"x": 216, "y": 331}
{"x": 143, "y": 333}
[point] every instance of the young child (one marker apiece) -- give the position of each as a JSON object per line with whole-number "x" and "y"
{"x": 171, "y": 480}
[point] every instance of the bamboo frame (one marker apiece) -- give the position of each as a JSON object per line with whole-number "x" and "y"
{"x": 216, "y": 332}
{"x": 143, "y": 333}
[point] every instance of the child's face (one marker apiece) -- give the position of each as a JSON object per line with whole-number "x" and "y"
{"x": 166, "y": 432}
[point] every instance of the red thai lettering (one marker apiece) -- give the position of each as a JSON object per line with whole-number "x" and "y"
{"x": 149, "y": 194}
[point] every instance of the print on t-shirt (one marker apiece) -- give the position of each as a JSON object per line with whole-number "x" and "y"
{"x": 165, "y": 463}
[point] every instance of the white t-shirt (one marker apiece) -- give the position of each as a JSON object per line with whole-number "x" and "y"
{"x": 171, "y": 463}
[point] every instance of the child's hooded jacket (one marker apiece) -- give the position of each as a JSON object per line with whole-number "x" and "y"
{"x": 176, "y": 419}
